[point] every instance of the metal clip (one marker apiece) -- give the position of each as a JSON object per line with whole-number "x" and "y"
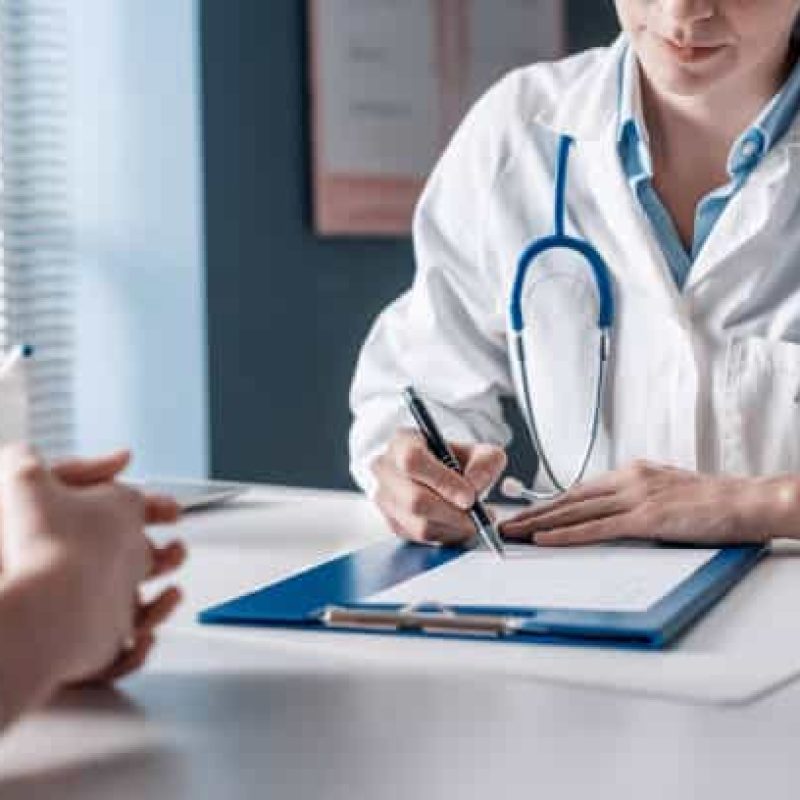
{"x": 440, "y": 621}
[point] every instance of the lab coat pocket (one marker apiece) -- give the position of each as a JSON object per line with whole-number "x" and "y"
{"x": 760, "y": 431}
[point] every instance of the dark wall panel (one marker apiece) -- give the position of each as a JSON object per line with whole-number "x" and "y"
{"x": 287, "y": 311}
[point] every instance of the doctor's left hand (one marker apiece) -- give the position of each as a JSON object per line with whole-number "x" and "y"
{"x": 650, "y": 501}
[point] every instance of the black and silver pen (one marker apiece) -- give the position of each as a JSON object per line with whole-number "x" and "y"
{"x": 439, "y": 447}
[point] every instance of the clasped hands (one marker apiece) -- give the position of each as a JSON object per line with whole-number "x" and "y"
{"x": 423, "y": 501}
{"x": 75, "y": 535}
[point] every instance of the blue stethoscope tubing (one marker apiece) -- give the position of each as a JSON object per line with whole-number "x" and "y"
{"x": 559, "y": 240}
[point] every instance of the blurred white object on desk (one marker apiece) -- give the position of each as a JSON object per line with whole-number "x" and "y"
{"x": 14, "y": 406}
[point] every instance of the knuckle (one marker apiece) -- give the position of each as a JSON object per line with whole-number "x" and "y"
{"x": 410, "y": 458}
{"x": 132, "y": 497}
{"x": 419, "y": 503}
{"x": 641, "y": 469}
{"x": 418, "y": 529}
{"x": 428, "y": 533}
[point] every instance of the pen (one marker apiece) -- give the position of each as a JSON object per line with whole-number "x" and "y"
{"x": 440, "y": 449}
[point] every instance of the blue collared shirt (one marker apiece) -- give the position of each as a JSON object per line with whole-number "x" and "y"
{"x": 746, "y": 154}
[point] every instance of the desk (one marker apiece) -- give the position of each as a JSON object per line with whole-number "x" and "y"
{"x": 213, "y": 717}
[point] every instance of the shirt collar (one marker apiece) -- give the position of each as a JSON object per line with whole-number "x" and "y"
{"x": 769, "y": 128}
{"x": 754, "y": 143}
{"x": 633, "y": 138}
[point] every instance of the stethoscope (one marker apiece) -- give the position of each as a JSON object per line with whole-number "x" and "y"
{"x": 559, "y": 240}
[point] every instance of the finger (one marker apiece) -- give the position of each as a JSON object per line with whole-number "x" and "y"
{"x": 604, "y": 530}
{"x": 422, "y": 531}
{"x": 597, "y": 487}
{"x": 167, "y": 559}
{"x": 425, "y": 515}
{"x": 483, "y": 464}
{"x": 417, "y": 500}
{"x": 128, "y": 662}
{"x": 410, "y": 456}
{"x": 414, "y": 520}
{"x": 150, "y": 615}
{"x": 575, "y": 513}
{"x": 161, "y": 509}
{"x": 87, "y": 472}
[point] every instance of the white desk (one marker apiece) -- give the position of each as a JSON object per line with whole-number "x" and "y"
{"x": 215, "y": 718}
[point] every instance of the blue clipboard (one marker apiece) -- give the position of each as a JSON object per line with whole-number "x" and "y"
{"x": 331, "y": 596}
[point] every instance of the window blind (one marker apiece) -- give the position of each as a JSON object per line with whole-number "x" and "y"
{"x": 36, "y": 268}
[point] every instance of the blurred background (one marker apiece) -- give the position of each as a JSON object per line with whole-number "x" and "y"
{"x": 214, "y": 331}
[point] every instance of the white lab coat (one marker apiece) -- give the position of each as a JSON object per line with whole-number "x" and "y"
{"x": 705, "y": 379}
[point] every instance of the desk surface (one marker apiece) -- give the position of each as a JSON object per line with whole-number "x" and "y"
{"x": 213, "y": 717}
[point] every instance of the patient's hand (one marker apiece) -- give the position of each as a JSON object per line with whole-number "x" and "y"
{"x": 79, "y": 535}
{"x": 651, "y": 501}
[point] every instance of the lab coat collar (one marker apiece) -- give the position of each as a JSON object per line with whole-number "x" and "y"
{"x": 586, "y": 112}
{"x": 589, "y": 119}
{"x": 750, "y": 209}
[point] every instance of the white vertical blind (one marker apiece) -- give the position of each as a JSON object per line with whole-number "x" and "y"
{"x": 36, "y": 268}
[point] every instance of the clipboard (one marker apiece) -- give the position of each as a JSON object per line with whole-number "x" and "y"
{"x": 332, "y": 596}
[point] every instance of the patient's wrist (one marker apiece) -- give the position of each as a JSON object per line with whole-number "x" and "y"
{"x": 34, "y": 639}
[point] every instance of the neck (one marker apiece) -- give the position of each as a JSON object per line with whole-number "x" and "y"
{"x": 711, "y": 122}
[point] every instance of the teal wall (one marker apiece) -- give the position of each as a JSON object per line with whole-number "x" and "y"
{"x": 141, "y": 341}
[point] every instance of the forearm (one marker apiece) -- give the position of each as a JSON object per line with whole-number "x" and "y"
{"x": 32, "y": 643}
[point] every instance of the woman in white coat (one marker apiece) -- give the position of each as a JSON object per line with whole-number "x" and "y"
{"x": 684, "y": 173}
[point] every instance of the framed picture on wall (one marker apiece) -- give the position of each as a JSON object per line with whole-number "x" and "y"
{"x": 390, "y": 82}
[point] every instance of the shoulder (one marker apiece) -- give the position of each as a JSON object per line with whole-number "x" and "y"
{"x": 575, "y": 95}
{"x": 538, "y": 91}
{"x": 520, "y": 113}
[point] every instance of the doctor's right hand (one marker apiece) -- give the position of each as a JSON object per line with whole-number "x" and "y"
{"x": 425, "y": 501}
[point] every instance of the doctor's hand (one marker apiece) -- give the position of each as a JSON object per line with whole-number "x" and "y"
{"x": 423, "y": 500}
{"x": 649, "y": 501}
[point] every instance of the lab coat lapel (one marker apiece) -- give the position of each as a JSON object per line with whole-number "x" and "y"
{"x": 750, "y": 209}
{"x": 637, "y": 257}
{"x": 610, "y": 217}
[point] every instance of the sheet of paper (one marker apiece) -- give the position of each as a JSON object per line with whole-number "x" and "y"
{"x": 597, "y": 578}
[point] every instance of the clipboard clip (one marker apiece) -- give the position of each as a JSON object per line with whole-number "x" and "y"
{"x": 422, "y": 618}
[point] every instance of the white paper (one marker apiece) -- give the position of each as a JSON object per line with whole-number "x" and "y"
{"x": 596, "y": 578}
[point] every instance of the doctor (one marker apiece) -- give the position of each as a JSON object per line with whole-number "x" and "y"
{"x": 678, "y": 154}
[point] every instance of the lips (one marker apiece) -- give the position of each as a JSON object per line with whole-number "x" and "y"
{"x": 690, "y": 53}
